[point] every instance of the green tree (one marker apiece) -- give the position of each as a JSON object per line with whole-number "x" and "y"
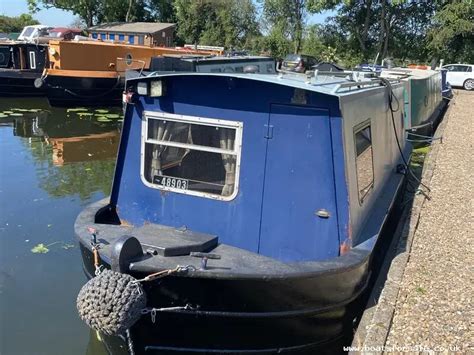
{"x": 16, "y": 24}
{"x": 94, "y": 12}
{"x": 285, "y": 19}
{"x": 452, "y": 35}
{"x": 230, "y": 23}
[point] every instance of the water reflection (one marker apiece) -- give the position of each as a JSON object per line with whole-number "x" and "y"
{"x": 53, "y": 162}
{"x": 75, "y": 150}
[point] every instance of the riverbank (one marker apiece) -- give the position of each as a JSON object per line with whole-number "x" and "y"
{"x": 425, "y": 302}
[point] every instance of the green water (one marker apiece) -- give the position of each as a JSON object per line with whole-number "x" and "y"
{"x": 53, "y": 162}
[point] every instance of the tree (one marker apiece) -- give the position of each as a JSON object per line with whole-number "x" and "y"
{"x": 285, "y": 19}
{"x": 87, "y": 10}
{"x": 93, "y": 12}
{"x": 230, "y": 23}
{"x": 452, "y": 36}
{"x": 16, "y": 24}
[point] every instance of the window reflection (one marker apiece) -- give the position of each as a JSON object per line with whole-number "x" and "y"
{"x": 364, "y": 162}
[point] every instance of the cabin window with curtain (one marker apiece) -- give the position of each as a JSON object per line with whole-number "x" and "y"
{"x": 131, "y": 39}
{"x": 103, "y": 36}
{"x": 364, "y": 161}
{"x": 121, "y": 37}
{"x": 112, "y": 37}
{"x": 191, "y": 155}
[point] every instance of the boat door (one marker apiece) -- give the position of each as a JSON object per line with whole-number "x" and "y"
{"x": 299, "y": 220}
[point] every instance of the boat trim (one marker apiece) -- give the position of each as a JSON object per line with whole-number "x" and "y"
{"x": 237, "y": 151}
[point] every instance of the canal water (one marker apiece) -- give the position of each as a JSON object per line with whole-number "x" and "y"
{"x": 53, "y": 162}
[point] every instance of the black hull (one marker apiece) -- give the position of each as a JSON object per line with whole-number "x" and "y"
{"x": 64, "y": 91}
{"x": 307, "y": 310}
{"x": 14, "y": 83}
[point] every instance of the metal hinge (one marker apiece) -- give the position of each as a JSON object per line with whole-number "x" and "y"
{"x": 269, "y": 131}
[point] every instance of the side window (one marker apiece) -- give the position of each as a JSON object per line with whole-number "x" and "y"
{"x": 141, "y": 40}
{"x": 469, "y": 69}
{"x": 364, "y": 161}
{"x": 103, "y": 36}
{"x": 191, "y": 155}
{"x": 131, "y": 39}
{"x": 94, "y": 35}
{"x": 32, "y": 60}
{"x": 121, "y": 37}
{"x": 112, "y": 37}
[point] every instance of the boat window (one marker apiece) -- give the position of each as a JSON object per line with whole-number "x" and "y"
{"x": 94, "y": 35}
{"x": 32, "y": 60}
{"x": 364, "y": 161}
{"x": 103, "y": 36}
{"x": 121, "y": 37}
{"x": 191, "y": 155}
{"x": 112, "y": 37}
{"x": 131, "y": 39}
{"x": 141, "y": 39}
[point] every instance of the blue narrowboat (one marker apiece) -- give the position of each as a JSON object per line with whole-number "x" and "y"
{"x": 245, "y": 208}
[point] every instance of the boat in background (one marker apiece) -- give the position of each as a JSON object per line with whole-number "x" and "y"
{"x": 207, "y": 64}
{"x": 424, "y": 99}
{"x": 22, "y": 61}
{"x": 92, "y": 73}
{"x": 266, "y": 194}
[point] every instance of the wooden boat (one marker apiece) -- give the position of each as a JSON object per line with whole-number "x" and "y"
{"x": 92, "y": 73}
{"x": 261, "y": 197}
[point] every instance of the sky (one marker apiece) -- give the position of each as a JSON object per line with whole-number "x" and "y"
{"x": 56, "y": 17}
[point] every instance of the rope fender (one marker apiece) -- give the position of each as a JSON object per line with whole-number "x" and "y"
{"x": 111, "y": 302}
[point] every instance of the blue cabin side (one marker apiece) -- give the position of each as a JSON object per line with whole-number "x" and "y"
{"x": 289, "y": 200}
{"x": 292, "y": 170}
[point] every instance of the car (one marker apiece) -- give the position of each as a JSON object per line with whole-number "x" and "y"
{"x": 299, "y": 63}
{"x": 460, "y": 75}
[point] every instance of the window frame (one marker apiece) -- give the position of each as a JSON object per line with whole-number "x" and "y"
{"x": 237, "y": 125}
{"x": 359, "y": 128}
{"x": 32, "y": 57}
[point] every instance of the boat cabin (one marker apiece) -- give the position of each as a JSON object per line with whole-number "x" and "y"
{"x": 301, "y": 171}
{"x": 23, "y": 56}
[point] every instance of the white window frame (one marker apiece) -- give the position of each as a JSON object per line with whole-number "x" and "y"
{"x": 237, "y": 151}
{"x": 32, "y": 55}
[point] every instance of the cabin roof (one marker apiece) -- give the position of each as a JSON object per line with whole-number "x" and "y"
{"x": 133, "y": 27}
{"x": 326, "y": 84}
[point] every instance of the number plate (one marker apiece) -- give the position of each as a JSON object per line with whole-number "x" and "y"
{"x": 175, "y": 183}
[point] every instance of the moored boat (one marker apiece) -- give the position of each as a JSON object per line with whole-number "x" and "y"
{"x": 257, "y": 199}
{"x": 22, "y": 61}
{"x": 424, "y": 98}
{"x": 90, "y": 72}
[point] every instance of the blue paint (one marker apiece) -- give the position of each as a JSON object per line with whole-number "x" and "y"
{"x": 285, "y": 177}
{"x": 299, "y": 181}
{"x": 340, "y": 183}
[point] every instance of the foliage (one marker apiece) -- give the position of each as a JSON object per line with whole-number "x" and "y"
{"x": 16, "y": 24}
{"x": 360, "y": 31}
{"x": 40, "y": 249}
{"x": 93, "y": 12}
{"x": 229, "y": 23}
{"x": 452, "y": 36}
